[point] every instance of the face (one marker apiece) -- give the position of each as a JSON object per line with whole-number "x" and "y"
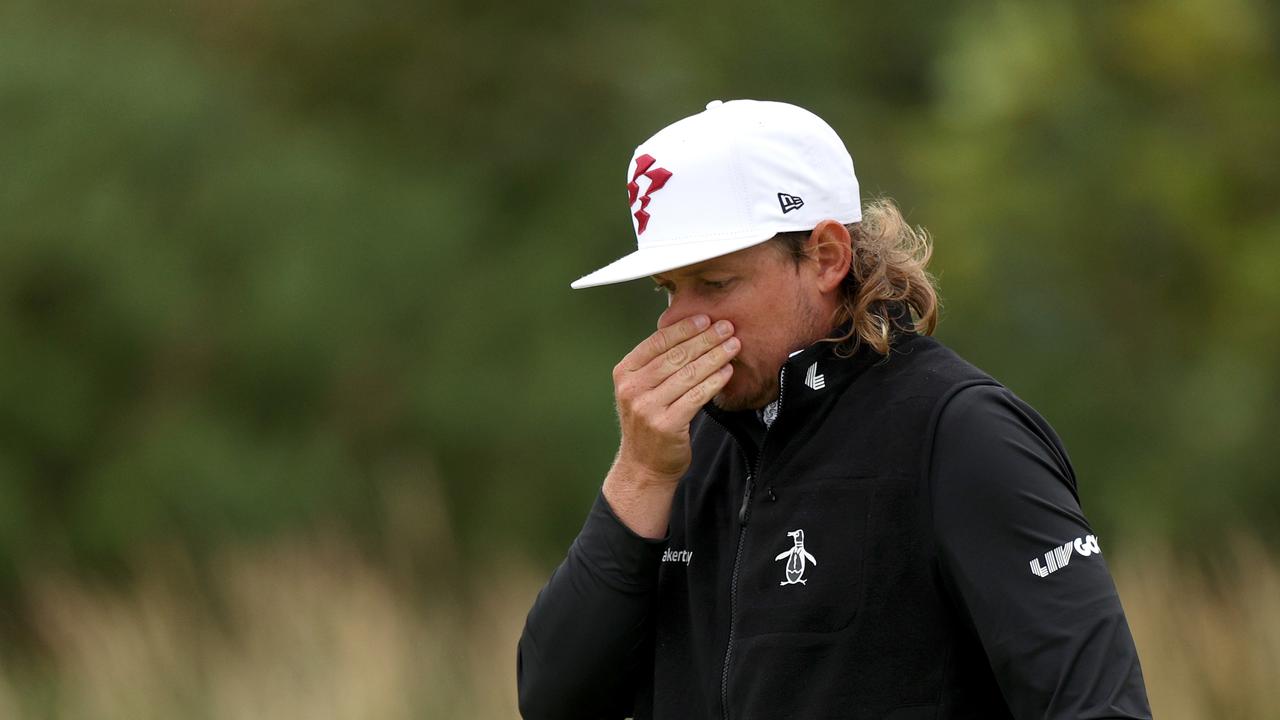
{"x": 773, "y": 303}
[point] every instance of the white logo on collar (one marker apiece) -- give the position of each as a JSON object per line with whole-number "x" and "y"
{"x": 796, "y": 556}
{"x": 813, "y": 379}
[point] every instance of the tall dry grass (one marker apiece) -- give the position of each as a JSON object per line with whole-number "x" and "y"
{"x": 304, "y": 629}
{"x": 313, "y": 629}
{"x": 1209, "y": 639}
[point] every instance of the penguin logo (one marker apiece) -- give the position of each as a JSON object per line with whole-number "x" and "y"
{"x": 796, "y": 557}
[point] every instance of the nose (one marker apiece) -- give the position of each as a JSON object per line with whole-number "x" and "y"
{"x": 679, "y": 307}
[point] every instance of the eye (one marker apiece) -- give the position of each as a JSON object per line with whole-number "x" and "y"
{"x": 717, "y": 284}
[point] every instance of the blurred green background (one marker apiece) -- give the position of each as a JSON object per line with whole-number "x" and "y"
{"x": 284, "y": 286}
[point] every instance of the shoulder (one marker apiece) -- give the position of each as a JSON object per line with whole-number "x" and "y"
{"x": 995, "y": 462}
{"x": 984, "y": 422}
{"x": 918, "y": 380}
{"x": 926, "y": 364}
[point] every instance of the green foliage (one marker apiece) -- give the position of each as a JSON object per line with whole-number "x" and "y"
{"x": 261, "y": 263}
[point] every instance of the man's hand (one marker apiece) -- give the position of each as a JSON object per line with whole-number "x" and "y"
{"x": 659, "y": 387}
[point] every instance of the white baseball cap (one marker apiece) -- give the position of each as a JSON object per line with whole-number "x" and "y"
{"x": 728, "y": 178}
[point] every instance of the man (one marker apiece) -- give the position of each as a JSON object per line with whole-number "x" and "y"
{"x": 816, "y": 510}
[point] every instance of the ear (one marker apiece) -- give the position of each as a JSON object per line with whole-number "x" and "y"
{"x": 830, "y": 247}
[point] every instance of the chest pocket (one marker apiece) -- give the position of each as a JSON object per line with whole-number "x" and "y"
{"x": 802, "y": 562}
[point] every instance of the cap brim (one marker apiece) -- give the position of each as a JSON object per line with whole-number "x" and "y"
{"x": 653, "y": 260}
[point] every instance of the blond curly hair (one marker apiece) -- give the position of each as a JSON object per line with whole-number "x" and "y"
{"x": 888, "y": 273}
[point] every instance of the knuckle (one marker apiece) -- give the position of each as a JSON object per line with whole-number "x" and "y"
{"x": 629, "y": 396}
{"x": 621, "y": 386}
{"x": 688, "y": 373}
{"x": 697, "y": 394}
{"x": 658, "y": 426}
{"x": 677, "y": 356}
{"x": 642, "y": 408}
{"x": 657, "y": 343}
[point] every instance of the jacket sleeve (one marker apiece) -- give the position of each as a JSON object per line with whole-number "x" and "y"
{"x": 1022, "y": 563}
{"x": 587, "y": 642}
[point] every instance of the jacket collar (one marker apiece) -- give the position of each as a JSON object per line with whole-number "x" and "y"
{"x": 809, "y": 380}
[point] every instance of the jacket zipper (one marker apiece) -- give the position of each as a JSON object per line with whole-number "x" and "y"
{"x": 744, "y": 514}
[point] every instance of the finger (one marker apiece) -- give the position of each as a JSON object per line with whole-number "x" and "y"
{"x": 688, "y": 376}
{"x": 671, "y": 361}
{"x": 688, "y": 405}
{"x": 662, "y": 341}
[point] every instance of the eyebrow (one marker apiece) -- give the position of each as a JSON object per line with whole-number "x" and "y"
{"x": 695, "y": 274}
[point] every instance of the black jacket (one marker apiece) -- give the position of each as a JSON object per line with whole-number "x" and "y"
{"x": 903, "y": 541}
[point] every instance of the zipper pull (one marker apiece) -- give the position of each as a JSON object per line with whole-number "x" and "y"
{"x": 746, "y": 502}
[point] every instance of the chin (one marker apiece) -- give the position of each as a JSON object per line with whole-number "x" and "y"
{"x": 727, "y": 404}
{"x": 733, "y": 399}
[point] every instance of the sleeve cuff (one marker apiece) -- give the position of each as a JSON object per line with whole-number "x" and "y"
{"x": 619, "y": 556}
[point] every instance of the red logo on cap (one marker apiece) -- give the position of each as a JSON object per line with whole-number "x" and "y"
{"x": 657, "y": 178}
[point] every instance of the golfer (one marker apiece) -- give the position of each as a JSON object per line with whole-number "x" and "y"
{"x": 816, "y": 510}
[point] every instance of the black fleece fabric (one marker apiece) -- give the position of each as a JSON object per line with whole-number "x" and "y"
{"x": 905, "y": 540}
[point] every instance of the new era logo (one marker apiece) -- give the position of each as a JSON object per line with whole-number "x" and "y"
{"x": 789, "y": 202}
{"x": 813, "y": 379}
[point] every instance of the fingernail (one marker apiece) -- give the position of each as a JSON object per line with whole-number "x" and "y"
{"x": 732, "y": 344}
{"x": 723, "y": 328}
{"x": 701, "y": 322}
